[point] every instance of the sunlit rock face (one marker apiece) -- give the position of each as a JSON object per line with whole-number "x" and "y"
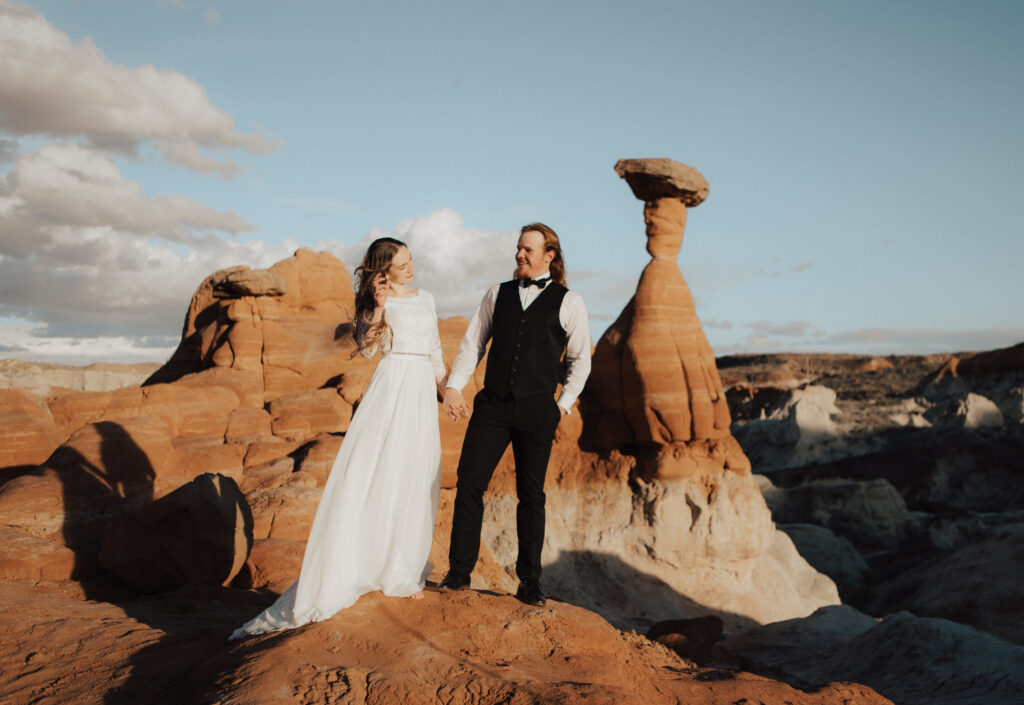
{"x": 655, "y": 384}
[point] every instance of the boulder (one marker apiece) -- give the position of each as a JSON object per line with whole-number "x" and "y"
{"x": 832, "y": 555}
{"x": 283, "y": 512}
{"x": 692, "y": 639}
{"x": 199, "y": 534}
{"x": 968, "y": 410}
{"x": 796, "y": 430}
{"x": 870, "y": 513}
{"x": 248, "y": 426}
{"x": 28, "y": 433}
{"x": 305, "y": 415}
{"x": 651, "y": 179}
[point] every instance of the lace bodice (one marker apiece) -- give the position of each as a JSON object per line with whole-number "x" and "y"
{"x": 413, "y": 322}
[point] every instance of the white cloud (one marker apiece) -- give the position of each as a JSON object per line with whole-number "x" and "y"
{"x": 22, "y": 342}
{"x": 456, "y": 263}
{"x": 71, "y": 186}
{"x": 924, "y": 340}
{"x": 867, "y": 341}
{"x": 8, "y": 151}
{"x": 51, "y": 86}
{"x": 792, "y": 328}
{"x": 84, "y": 251}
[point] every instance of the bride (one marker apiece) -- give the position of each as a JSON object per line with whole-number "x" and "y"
{"x": 375, "y": 522}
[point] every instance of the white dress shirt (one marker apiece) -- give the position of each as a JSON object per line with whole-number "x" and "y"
{"x": 573, "y": 317}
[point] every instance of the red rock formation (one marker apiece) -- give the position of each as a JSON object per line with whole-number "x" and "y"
{"x": 29, "y": 434}
{"x": 287, "y": 324}
{"x": 991, "y": 362}
{"x": 654, "y": 381}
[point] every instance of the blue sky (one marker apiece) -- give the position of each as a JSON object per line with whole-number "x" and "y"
{"x": 864, "y": 159}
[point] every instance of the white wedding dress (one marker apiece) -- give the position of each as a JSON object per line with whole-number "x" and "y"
{"x": 375, "y": 522}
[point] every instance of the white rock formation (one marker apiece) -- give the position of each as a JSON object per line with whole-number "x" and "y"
{"x": 667, "y": 549}
{"x": 798, "y": 430}
{"x": 910, "y": 660}
{"x": 872, "y": 511}
{"x": 40, "y": 377}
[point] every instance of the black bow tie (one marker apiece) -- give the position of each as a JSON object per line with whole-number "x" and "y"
{"x": 534, "y": 282}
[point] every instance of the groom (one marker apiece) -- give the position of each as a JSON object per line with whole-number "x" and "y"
{"x": 531, "y": 321}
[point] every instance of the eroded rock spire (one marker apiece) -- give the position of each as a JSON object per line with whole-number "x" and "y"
{"x": 655, "y": 380}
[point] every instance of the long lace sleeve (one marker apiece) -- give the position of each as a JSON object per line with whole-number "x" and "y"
{"x": 436, "y": 353}
{"x": 366, "y": 351}
{"x": 437, "y": 358}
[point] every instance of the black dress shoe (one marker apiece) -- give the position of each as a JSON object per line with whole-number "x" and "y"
{"x": 529, "y": 592}
{"x": 454, "y": 580}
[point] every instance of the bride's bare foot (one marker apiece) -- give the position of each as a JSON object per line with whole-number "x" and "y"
{"x": 418, "y": 595}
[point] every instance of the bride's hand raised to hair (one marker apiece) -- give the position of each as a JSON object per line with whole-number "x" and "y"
{"x": 381, "y": 285}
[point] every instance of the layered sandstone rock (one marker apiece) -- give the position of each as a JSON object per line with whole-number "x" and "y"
{"x": 29, "y": 434}
{"x": 654, "y": 380}
{"x": 287, "y": 323}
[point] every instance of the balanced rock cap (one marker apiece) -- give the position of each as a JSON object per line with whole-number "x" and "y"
{"x": 651, "y": 179}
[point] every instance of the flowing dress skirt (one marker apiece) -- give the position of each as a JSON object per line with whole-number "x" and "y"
{"x": 375, "y": 522}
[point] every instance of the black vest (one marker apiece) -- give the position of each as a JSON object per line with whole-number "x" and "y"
{"x": 526, "y": 346}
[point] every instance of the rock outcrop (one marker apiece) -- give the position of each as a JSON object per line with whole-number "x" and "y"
{"x": 667, "y": 524}
{"x": 286, "y": 324}
{"x": 979, "y": 585}
{"x": 29, "y": 434}
{"x": 912, "y": 660}
{"x": 796, "y": 429}
{"x": 462, "y": 649}
{"x": 654, "y": 381}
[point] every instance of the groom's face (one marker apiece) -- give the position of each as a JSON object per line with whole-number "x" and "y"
{"x": 532, "y": 260}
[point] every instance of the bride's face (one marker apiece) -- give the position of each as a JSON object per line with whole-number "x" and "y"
{"x": 401, "y": 269}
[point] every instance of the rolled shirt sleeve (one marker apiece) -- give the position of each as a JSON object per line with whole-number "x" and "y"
{"x": 573, "y": 317}
{"x": 474, "y": 342}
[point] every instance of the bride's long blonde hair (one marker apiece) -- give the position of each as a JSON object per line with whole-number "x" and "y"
{"x": 377, "y": 260}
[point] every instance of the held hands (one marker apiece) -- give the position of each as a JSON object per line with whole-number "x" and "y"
{"x": 454, "y": 405}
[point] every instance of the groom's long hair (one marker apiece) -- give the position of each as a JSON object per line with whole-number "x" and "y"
{"x": 551, "y": 244}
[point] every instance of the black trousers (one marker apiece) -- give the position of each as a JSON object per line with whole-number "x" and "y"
{"x": 529, "y": 425}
